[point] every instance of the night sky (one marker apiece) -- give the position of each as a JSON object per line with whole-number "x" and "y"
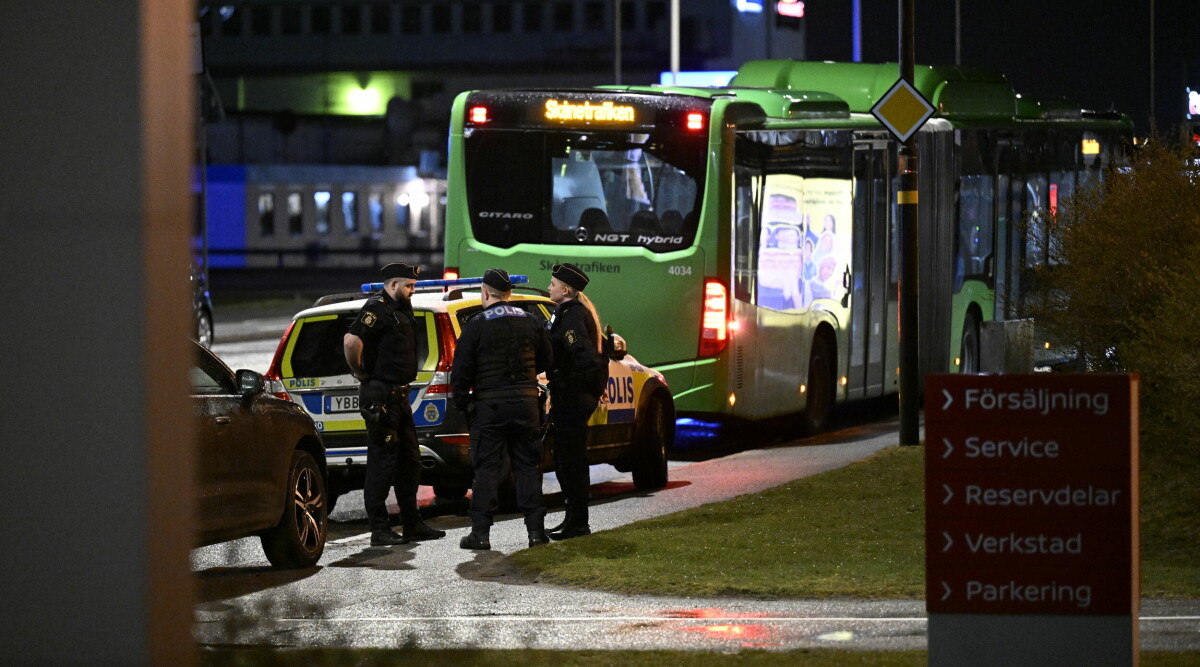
{"x": 1094, "y": 53}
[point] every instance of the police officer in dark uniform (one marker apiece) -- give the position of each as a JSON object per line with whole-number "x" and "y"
{"x": 381, "y": 351}
{"x": 500, "y": 353}
{"x": 577, "y": 381}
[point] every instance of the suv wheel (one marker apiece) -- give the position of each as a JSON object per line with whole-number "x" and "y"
{"x": 299, "y": 539}
{"x": 650, "y": 448}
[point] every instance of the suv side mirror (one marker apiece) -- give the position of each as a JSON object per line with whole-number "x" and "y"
{"x": 250, "y": 383}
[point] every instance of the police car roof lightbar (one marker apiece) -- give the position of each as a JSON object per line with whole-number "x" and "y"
{"x": 457, "y": 282}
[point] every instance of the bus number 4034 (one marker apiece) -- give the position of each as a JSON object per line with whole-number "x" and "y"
{"x": 679, "y": 270}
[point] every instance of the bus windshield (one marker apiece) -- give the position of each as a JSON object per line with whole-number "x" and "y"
{"x": 577, "y": 188}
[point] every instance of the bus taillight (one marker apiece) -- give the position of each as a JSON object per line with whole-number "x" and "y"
{"x": 479, "y": 114}
{"x": 695, "y": 121}
{"x": 450, "y": 273}
{"x": 714, "y": 327}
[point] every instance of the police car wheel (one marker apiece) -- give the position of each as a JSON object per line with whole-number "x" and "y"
{"x": 650, "y": 467}
{"x": 299, "y": 538}
{"x": 204, "y": 328}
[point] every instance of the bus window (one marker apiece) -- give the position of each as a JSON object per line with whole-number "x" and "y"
{"x": 745, "y": 233}
{"x": 975, "y": 228}
{"x": 603, "y": 188}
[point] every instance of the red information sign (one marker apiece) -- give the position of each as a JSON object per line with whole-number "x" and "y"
{"x": 1031, "y": 494}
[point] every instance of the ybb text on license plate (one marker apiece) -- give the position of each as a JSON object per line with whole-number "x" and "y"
{"x": 341, "y": 403}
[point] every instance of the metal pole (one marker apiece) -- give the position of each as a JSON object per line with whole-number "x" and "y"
{"x": 674, "y": 42}
{"x": 617, "y": 41}
{"x": 906, "y": 199}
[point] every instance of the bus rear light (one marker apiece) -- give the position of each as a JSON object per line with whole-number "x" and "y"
{"x": 695, "y": 121}
{"x": 450, "y": 273}
{"x": 479, "y": 115}
{"x": 714, "y": 326}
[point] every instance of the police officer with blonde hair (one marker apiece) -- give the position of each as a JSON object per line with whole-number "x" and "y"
{"x": 499, "y": 355}
{"x": 577, "y": 381}
{"x": 381, "y": 350}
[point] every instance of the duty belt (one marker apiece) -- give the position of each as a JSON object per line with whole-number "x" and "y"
{"x": 511, "y": 392}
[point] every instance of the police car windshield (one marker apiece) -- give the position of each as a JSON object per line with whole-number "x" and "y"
{"x": 599, "y": 188}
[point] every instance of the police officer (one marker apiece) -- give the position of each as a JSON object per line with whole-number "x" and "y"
{"x": 500, "y": 353}
{"x": 381, "y": 351}
{"x": 577, "y": 381}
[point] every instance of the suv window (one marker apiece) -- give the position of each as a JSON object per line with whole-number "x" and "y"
{"x": 319, "y": 349}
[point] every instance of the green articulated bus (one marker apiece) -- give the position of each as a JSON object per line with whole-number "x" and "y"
{"x": 743, "y": 239}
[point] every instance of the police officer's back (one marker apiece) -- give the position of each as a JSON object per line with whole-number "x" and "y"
{"x": 499, "y": 355}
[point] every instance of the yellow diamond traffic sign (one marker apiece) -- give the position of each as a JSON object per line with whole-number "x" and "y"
{"x": 902, "y": 110}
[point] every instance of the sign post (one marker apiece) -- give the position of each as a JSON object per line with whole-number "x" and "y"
{"x": 1031, "y": 519}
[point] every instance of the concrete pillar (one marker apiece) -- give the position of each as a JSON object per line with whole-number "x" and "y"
{"x": 96, "y": 118}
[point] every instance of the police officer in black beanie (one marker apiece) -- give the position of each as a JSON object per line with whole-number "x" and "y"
{"x": 381, "y": 350}
{"x": 500, "y": 353}
{"x": 577, "y": 381}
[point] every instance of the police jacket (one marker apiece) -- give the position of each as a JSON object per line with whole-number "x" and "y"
{"x": 579, "y": 367}
{"x": 388, "y": 329}
{"x": 500, "y": 353}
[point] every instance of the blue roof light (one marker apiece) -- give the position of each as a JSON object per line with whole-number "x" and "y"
{"x": 456, "y": 282}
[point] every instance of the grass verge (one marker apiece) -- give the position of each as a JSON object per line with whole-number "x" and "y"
{"x": 854, "y": 532}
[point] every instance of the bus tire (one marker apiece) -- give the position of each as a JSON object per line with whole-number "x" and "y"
{"x": 650, "y": 455}
{"x": 969, "y": 350}
{"x": 815, "y": 417}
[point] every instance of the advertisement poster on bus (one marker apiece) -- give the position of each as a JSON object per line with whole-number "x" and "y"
{"x": 805, "y": 241}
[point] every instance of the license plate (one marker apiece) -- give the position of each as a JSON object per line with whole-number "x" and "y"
{"x": 342, "y": 403}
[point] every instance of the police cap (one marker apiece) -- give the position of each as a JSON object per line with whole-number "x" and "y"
{"x": 400, "y": 270}
{"x": 571, "y": 275}
{"x": 498, "y": 280}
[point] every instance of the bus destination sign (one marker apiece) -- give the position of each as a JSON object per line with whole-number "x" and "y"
{"x": 604, "y": 112}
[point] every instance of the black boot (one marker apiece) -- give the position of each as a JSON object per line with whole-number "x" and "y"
{"x": 574, "y": 525}
{"x": 477, "y": 539}
{"x": 386, "y": 538}
{"x": 538, "y": 536}
{"x": 415, "y": 531}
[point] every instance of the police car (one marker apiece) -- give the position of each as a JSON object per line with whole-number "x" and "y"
{"x": 631, "y": 428}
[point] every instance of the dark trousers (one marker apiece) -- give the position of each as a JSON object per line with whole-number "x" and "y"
{"x": 393, "y": 457}
{"x": 570, "y": 453}
{"x": 504, "y": 433}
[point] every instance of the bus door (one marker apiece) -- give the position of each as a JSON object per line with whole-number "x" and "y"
{"x": 869, "y": 292}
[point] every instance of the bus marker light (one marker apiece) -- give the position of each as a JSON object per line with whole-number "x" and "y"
{"x": 732, "y": 399}
{"x": 958, "y": 361}
{"x": 695, "y": 121}
{"x": 451, "y": 273}
{"x": 844, "y": 381}
{"x": 803, "y": 388}
{"x": 479, "y": 115}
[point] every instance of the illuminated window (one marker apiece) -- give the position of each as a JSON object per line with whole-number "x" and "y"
{"x": 375, "y": 207}
{"x": 231, "y": 20}
{"x": 266, "y": 214}
{"x": 295, "y": 214}
{"x": 350, "y": 212}
{"x": 321, "y": 201}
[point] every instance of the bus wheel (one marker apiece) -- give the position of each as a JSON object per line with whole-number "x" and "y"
{"x": 650, "y": 456}
{"x": 820, "y": 387}
{"x": 969, "y": 352}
